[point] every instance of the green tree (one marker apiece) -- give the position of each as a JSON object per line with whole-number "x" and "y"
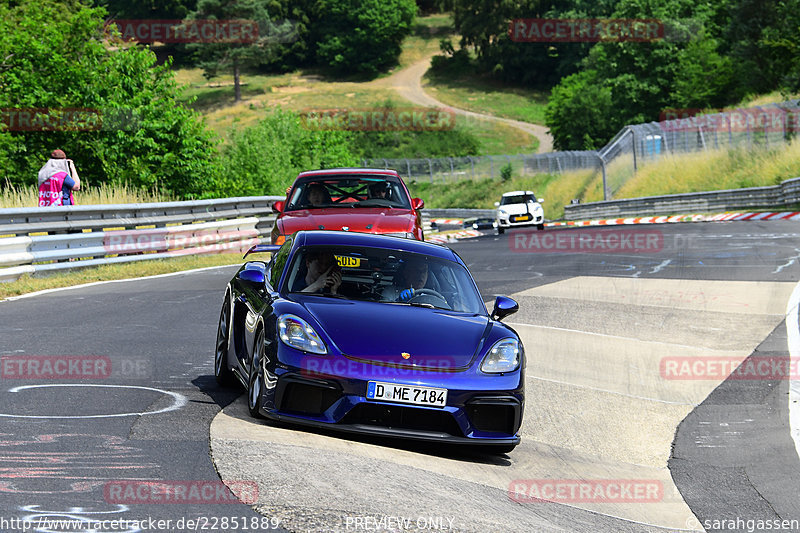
{"x": 578, "y": 110}
{"x": 147, "y": 9}
{"x": 484, "y": 27}
{"x": 361, "y": 36}
{"x": 265, "y": 158}
{"x": 241, "y": 52}
{"x": 642, "y": 79}
{"x": 56, "y": 60}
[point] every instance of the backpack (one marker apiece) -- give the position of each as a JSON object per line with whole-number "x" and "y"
{"x": 50, "y": 191}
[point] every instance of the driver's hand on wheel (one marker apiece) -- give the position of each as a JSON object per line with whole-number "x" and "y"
{"x": 406, "y": 295}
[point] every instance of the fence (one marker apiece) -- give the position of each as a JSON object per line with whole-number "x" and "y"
{"x": 755, "y": 127}
{"x": 452, "y": 169}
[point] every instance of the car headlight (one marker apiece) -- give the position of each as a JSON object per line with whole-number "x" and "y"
{"x": 404, "y": 234}
{"x": 504, "y": 356}
{"x": 295, "y": 332}
{"x": 502, "y": 213}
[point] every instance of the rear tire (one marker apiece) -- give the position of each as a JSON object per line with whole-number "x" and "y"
{"x": 222, "y": 373}
{"x": 254, "y": 380}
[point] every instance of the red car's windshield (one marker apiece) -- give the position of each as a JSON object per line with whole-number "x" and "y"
{"x": 349, "y": 191}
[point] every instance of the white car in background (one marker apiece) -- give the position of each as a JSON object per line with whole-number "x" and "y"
{"x": 519, "y": 208}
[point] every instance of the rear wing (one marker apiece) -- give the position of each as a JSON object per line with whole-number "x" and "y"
{"x": 262, "y": 248}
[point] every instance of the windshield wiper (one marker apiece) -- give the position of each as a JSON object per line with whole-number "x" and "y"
{"x": 322, "y": 294}
{"x": 425, "y": 305}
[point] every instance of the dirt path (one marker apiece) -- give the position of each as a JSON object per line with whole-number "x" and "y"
{"x": 408, "y": 82}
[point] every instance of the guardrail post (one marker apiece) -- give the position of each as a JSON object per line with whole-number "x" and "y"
{"x": 603, "y": 168}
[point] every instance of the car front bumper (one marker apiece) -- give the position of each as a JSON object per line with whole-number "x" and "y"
{"x": 337, "y": 400}
{"x": 507, "y": 222}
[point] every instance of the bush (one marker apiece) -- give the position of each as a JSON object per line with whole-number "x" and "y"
{"x": 505, "y": 173}
{"x": 265, "y": 159}
{"x": 362, "y": 36}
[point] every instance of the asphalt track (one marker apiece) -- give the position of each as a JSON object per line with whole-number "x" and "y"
{"x": 597, "y": 324}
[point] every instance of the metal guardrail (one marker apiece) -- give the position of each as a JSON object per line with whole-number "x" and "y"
{"x": 63, "y": 238}
{"x": 50, "y": 220}
{"x": 776, "y": 196}
{"x": 40, "y": 240}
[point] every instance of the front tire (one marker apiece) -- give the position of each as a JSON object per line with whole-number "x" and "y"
{"x": 500, "y": 230}
{"x": 222, "y": 373}
{"x": 254, "y": 380}
{"x": 540, "y": 227}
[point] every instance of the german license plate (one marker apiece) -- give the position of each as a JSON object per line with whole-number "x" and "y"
{"x": 396, "y": 392}
{"x": 520, "y": 218}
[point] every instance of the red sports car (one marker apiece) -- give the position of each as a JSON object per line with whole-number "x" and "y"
{"x": 363, "y": 200}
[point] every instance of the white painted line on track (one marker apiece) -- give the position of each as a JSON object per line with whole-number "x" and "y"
{"x": 793, "y": 341}
{"x": 57, "y": 289}
{"x": 178, "y": 400}
{"x": 600, "y": 334}
{"x": 617, "y": 393}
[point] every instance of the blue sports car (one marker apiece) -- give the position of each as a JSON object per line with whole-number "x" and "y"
{"x": 372, "y": 334}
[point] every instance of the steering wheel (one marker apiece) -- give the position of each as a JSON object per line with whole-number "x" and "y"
{"x": 429, "y": 292}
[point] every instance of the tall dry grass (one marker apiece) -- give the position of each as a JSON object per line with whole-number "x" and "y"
{"x": 714, "y": 170}
{"x": 28, "y": 196}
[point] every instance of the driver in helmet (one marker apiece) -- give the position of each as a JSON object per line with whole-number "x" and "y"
{"x": 411, "y": 277}
{"x": 379, "y": 190}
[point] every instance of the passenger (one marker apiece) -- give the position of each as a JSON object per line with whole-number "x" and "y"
{"x": 379, "y": 190}
{"x": 318, "y": 195}
{"x": 322, "y": 273}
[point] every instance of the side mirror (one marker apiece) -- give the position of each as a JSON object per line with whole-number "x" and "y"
{"x": 253, "y": 277}
{"x": 417, "y": 203}
{"x": 277, "y": 207}
{"x": 497, "y": 204}
{"x": 540, "y": 200}
{"x": 504, "y": 306}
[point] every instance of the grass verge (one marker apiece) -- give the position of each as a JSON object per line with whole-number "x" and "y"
{"x": 138, "y": 269}
{"x": 484, "y": 96}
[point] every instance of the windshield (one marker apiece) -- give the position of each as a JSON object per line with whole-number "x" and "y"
{"x": 379, "y": 275}
{"x": 517, "y": 199}
{"x": 348, "y": 192}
